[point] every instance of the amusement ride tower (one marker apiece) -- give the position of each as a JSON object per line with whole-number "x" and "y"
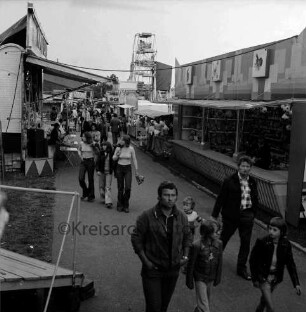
{"x": 143, "y": 66}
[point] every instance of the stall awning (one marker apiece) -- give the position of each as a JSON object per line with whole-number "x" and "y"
{"x": 152, "y": 113}
{"x": 125, "y": 106}
{"x": 64, "y": 71}
{"x": 223, "y": 104}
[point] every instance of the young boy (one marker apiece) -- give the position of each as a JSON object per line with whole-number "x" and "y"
{"x": 268, "y": 259}
{"x": 204, "y": 266}
{"x": 192, "y": 216}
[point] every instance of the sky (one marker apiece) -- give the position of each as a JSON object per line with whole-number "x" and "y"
{"x": 100, "y": 33}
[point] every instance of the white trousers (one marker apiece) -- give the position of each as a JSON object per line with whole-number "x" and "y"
{"x": 202, "y": 296}
{"x": 105, "y": 185}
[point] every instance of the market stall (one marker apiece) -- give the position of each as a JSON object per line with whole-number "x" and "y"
{"x": 23, "y": 52}
{"x": 251, "y": 101}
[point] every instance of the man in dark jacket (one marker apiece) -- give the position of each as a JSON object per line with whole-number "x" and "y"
{"x": 115, "y": 128}
{"x": 238, "y": 202}
{"x": 161, "y": 239}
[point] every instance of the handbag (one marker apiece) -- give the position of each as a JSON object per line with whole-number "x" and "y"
{"x": 140, "y": 179}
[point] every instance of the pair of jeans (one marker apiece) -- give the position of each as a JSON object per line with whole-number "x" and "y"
{"x": 202, "y": 296}
{"x": 124, "y": 181}
{"x": 105, "y": 185}
{"x": 245, "y": 227}
{"x": 87, "y": 165}
{"x": 158, "y": 287}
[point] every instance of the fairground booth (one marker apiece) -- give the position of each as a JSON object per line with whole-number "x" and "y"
{"x": 251, "y": 101}
{"x": 23, "y": 67}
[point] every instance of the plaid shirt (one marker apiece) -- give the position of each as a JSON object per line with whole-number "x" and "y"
{"x": 245, "y": 193}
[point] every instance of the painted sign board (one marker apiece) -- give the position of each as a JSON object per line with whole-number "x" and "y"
{"x": 216, "y": 70}
{"x": 188, "y": 75}
{"x": 260, "y": 63}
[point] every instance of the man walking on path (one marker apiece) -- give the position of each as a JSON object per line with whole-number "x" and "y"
{"x": 161, "y": 239}
{"x": 238, "y": 202}
{"x": 115, "y": 128}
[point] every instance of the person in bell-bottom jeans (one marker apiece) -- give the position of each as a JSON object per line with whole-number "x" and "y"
{"x": 104, "y": 167}
{"x": 124, "y": 155}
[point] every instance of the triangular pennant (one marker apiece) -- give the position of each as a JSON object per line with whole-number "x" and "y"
{"x": 32, "y": 171}
{"x": 39, "y": 165}
{"x": 51, "y": 163}
{"x": 46, "y": 169}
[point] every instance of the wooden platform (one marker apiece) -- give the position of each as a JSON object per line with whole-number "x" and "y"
{"x": 19, "y": 272}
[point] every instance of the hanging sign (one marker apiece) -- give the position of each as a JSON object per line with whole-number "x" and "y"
{"x": 188, "y": 75}
{"x": 216, "y": 70}
{"x": 260, "y": 66}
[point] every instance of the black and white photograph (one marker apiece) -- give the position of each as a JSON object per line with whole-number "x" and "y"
{"x": 152, "y": 155}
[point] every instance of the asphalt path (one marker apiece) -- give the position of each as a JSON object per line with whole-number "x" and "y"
{"x": 105, "y": 255}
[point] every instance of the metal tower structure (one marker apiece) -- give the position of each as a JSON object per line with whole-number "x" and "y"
{"x": 143, "y": 66}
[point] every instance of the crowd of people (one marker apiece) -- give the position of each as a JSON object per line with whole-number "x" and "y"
{"x": 98, "y": 155}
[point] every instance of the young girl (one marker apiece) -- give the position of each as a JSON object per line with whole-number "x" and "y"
{"x": 267, "y": 262}
{"x": 204, "y": 265}
{"x": 125, "y": 154}
{"x": 104, "y": 166}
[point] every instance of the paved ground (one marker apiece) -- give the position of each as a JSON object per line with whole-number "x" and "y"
{"x": 106, "y": 255}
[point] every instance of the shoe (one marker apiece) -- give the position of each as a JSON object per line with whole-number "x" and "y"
{"x": 244, "y": 274}
{"x": 84, "y": 197}
{"x": 109, "y": 206}
{"x": 91, "y": 200}
{"x": 126, "y": 210}
{"x": 119, "y": 208}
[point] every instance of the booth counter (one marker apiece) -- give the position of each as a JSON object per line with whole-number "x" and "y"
{"x": 272, "y": 185}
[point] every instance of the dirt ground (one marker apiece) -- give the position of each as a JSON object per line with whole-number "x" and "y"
{"x": 30, "y": 228}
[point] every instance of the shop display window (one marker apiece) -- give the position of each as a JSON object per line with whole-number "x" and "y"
{"x": 221, "y": 130}
{"x": 192, "y": 125}
{"x": 260, "y": 130}
{"x": 271, "y": 125}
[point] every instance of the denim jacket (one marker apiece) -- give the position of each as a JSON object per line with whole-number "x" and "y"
{"x": 150, "y": 236}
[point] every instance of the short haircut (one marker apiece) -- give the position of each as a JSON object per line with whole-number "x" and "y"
{"x": 245, "y": 158}
{"x": 206, "y": 229}
{"x": 279, "y": 223}
{"x": 166, "y": 185}
{"x": 189, "y": 199}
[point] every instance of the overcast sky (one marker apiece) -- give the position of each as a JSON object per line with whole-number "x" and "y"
{"x": 100, "y": 33}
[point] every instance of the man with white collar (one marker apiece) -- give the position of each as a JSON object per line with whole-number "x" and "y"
{"x": 238, "y": 203}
